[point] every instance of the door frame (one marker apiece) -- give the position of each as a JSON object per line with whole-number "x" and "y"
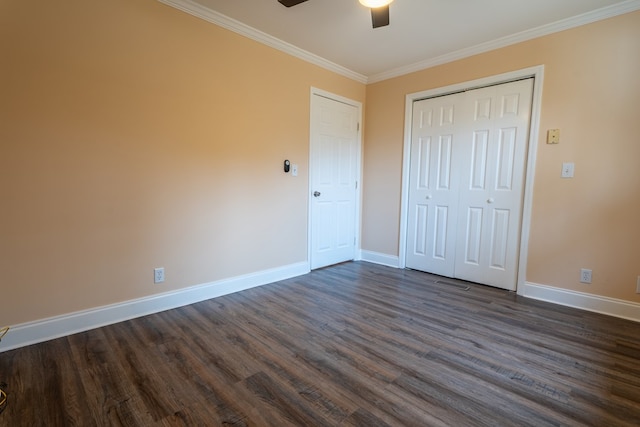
{"x": 537, "y": 72}
{"x": 358, "y": 105}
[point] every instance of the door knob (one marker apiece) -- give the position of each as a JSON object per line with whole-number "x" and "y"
{"x": 428, "y": 197}
{"x": 490, "y": 200}
{"x": 316, "y": 194}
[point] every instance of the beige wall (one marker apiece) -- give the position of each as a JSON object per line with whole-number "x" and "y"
{"x": 135, "y": 136}
{"x": 592, "y": 94}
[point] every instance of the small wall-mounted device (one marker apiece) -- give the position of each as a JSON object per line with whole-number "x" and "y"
{"x": 287, "y": 166}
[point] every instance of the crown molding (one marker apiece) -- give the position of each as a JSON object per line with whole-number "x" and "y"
{"x": 238, "y": 27}
{"x": 565, "y": 24}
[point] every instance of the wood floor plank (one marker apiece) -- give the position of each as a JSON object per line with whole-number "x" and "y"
{"x": 354, "y": 344}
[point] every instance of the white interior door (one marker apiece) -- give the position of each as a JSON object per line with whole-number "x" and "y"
{"x": 333, "y": 181}
{"x": 468, "y": 161}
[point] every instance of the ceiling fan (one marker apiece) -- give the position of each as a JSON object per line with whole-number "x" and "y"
{"x": 379, "y": 10}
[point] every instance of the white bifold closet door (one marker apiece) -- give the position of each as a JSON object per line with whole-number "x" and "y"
{"x": 466, "y": 183}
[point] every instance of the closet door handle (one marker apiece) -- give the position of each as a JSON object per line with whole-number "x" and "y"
{"x": 316, "y": 194}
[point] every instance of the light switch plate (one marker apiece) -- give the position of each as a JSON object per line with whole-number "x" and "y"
{"x": 567, "y": 170}
{"x": 294, "y": 170}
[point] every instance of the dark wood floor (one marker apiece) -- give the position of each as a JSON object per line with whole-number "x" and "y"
{"x": 351, "y": 345}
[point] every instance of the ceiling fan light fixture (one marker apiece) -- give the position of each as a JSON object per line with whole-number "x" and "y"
{"x": 375, "y": 3}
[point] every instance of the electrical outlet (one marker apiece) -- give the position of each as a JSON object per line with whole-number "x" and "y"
{"x": 158, "y": 275}
{"x": 585, "y": 275}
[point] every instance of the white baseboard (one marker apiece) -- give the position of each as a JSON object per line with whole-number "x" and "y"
{"x": 596, "y": 303}
{"x": 68, "y": 324}
{"x": 378, "y": 258}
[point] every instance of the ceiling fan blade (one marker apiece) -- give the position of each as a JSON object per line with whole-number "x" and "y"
{"x": 289, "y": 3}
{"x": 380, "y": 16}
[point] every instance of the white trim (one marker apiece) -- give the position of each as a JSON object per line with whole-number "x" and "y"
{"x": 590, "y": 302}
{"x": 565, "y": 24}
{"x": 68, "y": 324}
{"x": 238, "y": 27}
{"x": 527, "y": 202}
{"x": 358, "y": 201}
{"x": 538, "y": 74}
{"x": 339, "y": 98}
{"x": 379, "y": 258}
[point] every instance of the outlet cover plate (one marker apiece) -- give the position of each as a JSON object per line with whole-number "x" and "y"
{"x": 158, "y": 275}
{"x": 585, "y": 275}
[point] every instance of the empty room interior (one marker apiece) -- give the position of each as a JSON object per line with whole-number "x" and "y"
{"x": 320, "y": 212}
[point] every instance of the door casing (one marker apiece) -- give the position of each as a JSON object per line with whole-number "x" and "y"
{"x": 537, "y": 73}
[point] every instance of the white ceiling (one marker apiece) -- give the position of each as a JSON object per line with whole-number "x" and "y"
{"x": 338, "y": 34}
